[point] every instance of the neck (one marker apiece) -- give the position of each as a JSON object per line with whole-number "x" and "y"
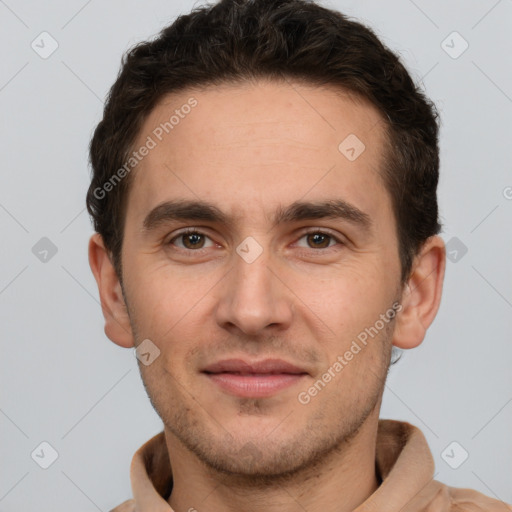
{"x": 342, "y": 481}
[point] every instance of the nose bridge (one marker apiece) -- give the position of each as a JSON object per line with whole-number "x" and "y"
{"x": 252, "y": 297}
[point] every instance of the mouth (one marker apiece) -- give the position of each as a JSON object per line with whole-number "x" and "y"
{"x": 254, "y": 379}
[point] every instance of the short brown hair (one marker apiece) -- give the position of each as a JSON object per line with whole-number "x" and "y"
{"x": 237, "y": 40}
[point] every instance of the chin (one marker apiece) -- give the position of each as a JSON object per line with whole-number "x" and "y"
{"x": 253, "y": 461}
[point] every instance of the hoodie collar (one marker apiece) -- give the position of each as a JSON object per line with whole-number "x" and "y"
{"x": 403, "y": 461}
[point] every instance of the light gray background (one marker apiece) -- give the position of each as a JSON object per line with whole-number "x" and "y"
{"x": 64, "y": 382}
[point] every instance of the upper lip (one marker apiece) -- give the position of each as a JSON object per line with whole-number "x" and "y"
{"x": 269, "y": 366}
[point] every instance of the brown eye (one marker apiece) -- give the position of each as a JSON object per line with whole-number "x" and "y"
{"x": 193, "y": 240}
{"x": 318, "y": 240}
{"x": 190, "y": 240}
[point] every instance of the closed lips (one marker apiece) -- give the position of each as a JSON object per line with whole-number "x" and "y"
{"x": 265, "y": 367}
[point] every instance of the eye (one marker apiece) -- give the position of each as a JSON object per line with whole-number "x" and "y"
{"x": 191, "y": 239}
{"x": 320, "y": 239}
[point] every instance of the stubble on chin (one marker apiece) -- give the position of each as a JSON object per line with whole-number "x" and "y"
{"x": 277, "y": 458}
{"x": 259, "y": 462}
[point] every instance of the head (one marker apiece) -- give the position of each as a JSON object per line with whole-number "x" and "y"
{"x": 303, "y": 161}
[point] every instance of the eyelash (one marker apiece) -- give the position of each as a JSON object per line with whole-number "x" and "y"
{"x": 194, "y": 231}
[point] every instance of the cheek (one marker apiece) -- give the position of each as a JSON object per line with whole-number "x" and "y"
{"x": 162, "y": 299}
{"x": 350, "y": 312}
{"x": 351, "y": 295}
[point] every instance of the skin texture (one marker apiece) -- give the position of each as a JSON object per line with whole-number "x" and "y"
{"x": 250, "y": 149}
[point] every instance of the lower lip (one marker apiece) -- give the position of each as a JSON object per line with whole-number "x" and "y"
{"x": 254, "y": 386}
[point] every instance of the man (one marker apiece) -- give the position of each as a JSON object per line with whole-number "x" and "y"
{"x": 264, "y": 196}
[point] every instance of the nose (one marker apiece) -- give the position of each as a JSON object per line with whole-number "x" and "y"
{"x": 254, "y": 297}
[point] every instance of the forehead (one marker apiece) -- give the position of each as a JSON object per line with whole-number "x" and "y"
{"x": 254, "y": 148}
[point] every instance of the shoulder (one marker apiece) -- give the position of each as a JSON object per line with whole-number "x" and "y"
{"x": 438, "y": 496}
{"x": 468, "y": 499}
{"x": 126, "y": 506}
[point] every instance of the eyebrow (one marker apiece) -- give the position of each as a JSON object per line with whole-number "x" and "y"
{"x": 197, "y": 210}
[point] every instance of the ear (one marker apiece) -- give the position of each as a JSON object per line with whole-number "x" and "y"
{"x": 421, "y": 296}
{"x": 117, "y": 322}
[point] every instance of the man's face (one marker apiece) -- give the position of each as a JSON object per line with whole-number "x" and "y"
{"x": 248, "y": 315}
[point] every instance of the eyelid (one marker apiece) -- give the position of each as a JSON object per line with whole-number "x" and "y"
{"x": 323, "y": 231}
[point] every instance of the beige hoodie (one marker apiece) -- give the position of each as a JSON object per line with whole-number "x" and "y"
{"x": 403, "y": 459}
